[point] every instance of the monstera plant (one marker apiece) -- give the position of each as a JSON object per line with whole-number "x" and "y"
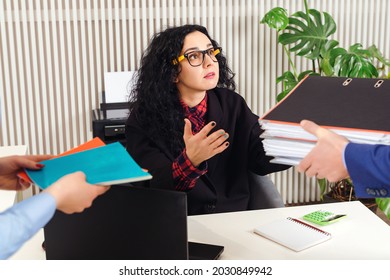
{"x": 307, "y": 34}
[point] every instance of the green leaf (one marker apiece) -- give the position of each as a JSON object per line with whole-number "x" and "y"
{"x": 276, "y": 18}
{"x": 384, "y": 205}
{"x": 375, "y": 53}
{"x": 381, "y": 62}
{"x": 322, "y": 183}
{"x": 289, "y": 82}
{"x": 329, "y": 53}
{"x": 308, "y": 33}
{"x": 356, "y": 63}
{"x": 305, "y": 73}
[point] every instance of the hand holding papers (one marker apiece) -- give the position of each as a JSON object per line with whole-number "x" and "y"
{"x": 357, "y": 110}
{"x": 93, "y": 143}
{"x": 105, "y": 165}
{"x": 326, "y": 159}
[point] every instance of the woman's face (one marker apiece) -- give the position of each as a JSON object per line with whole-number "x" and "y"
{"x": 196, "y": 80}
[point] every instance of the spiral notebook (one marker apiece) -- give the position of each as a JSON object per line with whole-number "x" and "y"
{"x": 293, "y": 234}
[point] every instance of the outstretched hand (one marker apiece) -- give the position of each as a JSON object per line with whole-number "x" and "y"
{"x": 10, "y": 166}
{"x": 73, "y": 193}
{"x": 325, "y": 160}
{"x": 202, "y": 146}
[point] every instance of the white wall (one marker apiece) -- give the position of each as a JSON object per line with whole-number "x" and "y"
{"x": 53, "y": 54}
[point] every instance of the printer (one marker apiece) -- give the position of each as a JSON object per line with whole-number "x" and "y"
{"x": 109, "y": 121}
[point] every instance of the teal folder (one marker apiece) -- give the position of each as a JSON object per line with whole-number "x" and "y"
{"x": 106, "y": 165}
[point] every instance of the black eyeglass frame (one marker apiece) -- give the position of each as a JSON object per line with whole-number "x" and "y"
{"x": 204, "y": 52}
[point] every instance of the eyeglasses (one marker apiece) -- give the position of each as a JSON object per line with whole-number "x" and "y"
{"x": 196, "y": 58}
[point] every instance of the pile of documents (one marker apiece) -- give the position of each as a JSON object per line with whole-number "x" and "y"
{"x": 102, "y": 165}
{"x": 357, "y": 109}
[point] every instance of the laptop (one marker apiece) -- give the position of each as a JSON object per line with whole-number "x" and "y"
{"x": 127, "y": 222}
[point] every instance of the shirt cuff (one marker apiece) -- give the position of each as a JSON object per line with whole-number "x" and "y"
{"x": 40, "y": 209}
{"x": 184, "y": 170}
{"x": 188, "y": 168}
{"x": 345, "y": 164}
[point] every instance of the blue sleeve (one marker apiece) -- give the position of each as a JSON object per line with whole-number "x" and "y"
{"x": 369, "y": 169}
{"x": 20, "y": 222}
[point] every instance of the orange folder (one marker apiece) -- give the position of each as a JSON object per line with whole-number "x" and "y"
{"x": 94, "y": 143}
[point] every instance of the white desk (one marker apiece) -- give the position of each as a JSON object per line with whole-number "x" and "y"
{"x": 361, "y": 235}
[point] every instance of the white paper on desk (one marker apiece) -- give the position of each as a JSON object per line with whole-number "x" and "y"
{"x": 118, "y": 86}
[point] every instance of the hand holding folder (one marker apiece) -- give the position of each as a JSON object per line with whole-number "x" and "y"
{"x": 325, "y": 160}
{"x": 94, "y": 143}
{"x": 104, "y": 165}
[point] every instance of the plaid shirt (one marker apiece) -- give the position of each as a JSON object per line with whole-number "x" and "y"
{"x": 185, "y": 174}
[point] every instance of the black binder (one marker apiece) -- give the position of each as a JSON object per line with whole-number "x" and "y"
{"x": 357, "y": 108}
{"x": 337, "y": 102}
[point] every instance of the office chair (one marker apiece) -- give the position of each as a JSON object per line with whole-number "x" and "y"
{"x": 263, "y": 193}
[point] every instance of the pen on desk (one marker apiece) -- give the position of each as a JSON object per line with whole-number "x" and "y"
{"x": 310, "y": 226}
{"x": 333, "y": 217}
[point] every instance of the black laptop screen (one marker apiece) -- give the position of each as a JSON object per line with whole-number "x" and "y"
{"x": 124, "y": 223}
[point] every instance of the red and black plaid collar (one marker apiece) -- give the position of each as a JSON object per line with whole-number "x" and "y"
{"x": 198, "y": 111}
{"x": 196, "y": 114}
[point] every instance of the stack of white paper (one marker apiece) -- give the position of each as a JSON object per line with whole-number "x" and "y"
{"x": 357, "y": 109}
{"x": 289, "y": 143}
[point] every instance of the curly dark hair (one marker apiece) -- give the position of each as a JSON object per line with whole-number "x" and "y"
{"x": 154, "y": 99}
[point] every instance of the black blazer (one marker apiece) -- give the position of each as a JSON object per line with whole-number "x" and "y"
{"x": 225, "y": 186}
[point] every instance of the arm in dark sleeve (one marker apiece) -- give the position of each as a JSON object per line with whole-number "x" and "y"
{"x": 150, "y": 156}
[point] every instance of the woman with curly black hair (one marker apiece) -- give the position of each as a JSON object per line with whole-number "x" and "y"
{"x": 189, "y": 128}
